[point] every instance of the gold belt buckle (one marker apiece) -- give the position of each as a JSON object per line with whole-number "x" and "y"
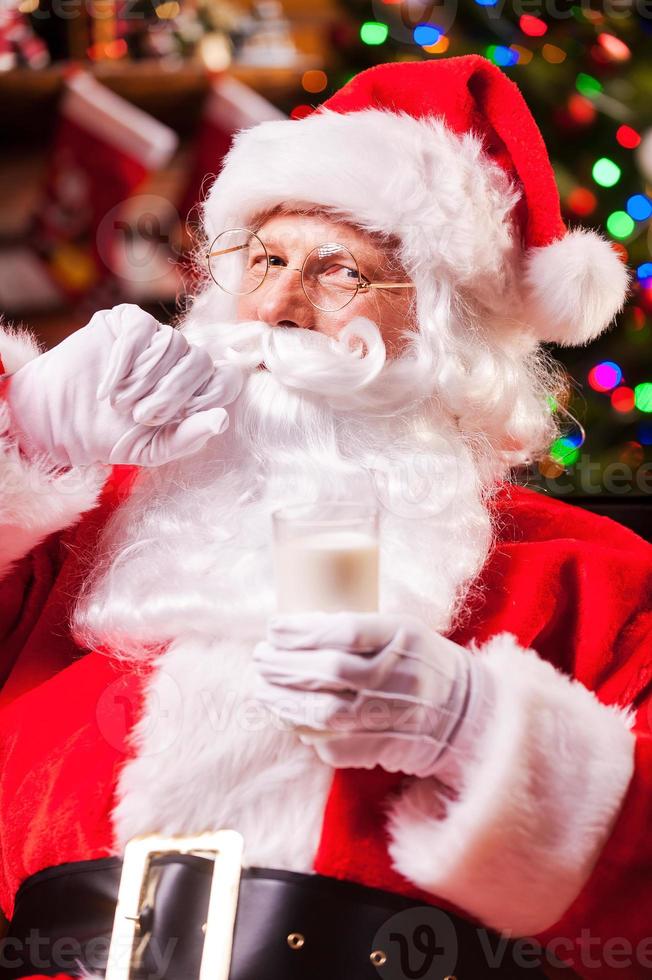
{"x": 227, "y": 846}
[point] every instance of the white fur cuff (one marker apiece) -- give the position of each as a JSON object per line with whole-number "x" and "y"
{"x": 36, "y": 498}
{"x": 517, "y": 845}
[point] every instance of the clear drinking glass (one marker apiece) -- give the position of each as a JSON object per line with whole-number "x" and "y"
{"x": 326, "y": 557}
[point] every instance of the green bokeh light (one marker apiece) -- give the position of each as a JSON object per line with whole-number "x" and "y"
{"x": 643, "y": 396}
{"x": 373, "y": 32}
{"x": 620, "y": 225}
{"x": 564, "y": 452}
{"x": 606, "y": 173}
{"x": 587, "y": 85}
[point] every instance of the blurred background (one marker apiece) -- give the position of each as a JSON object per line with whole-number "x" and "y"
{"x": 114, "y": 114}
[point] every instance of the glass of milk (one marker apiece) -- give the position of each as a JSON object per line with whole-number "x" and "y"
{"x": 326, "y": 557}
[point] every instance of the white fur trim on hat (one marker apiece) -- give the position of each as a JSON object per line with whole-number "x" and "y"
{"x": 390, "y": 173}
{"x": 520, "y": 841}
{"x": 449, "y": 204}
{"x": 576, "y": 286}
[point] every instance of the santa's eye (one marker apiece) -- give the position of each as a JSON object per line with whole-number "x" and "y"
{"x": 339, "y": 273}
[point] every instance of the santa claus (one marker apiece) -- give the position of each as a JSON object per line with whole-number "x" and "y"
{"x": 456, "y": 785}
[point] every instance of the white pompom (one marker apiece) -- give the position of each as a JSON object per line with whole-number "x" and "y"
{"x": 574, "y": 288}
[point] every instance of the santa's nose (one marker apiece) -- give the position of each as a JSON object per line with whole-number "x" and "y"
{"x": 281, "y": 301}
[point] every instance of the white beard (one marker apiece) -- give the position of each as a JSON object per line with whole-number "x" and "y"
{"x": 186, "y": 563}
{"x": 190, "y": 551}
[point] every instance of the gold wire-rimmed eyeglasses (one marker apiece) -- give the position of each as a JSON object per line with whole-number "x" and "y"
{"x": 239, "y": 262}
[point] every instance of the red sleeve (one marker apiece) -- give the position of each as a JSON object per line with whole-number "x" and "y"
{"x": 590, "y": 591}
{"x": 24, "y": 592}
{"x": 553, "y": 824}
{"x": 607, "y": 931}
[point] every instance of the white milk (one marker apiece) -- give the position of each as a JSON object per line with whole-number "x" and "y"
{"x": 327, "y": 571}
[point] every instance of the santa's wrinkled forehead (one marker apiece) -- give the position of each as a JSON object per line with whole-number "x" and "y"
{"x": 302, "y": 228}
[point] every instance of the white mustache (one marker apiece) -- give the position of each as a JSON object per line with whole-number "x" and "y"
{"x": 303, "y": 359}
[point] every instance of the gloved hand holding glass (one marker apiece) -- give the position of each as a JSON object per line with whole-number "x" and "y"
{"x": 362, "y": 687}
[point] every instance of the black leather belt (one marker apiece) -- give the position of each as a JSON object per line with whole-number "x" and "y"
{"x": 288, "y": 927}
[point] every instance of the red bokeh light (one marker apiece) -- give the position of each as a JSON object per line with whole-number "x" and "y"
{"x": 532, "y": 26}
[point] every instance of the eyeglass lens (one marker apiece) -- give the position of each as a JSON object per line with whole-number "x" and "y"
{"x": 239, "y": 262}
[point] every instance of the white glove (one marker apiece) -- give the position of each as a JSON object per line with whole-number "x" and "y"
{"x": 367, "y": 689}
{"x": 123, "y": 389}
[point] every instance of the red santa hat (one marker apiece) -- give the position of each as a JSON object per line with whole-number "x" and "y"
{"x": 446, "y": 157}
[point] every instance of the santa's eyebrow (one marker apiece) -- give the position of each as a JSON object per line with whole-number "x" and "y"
{"x": 367, "y": 255}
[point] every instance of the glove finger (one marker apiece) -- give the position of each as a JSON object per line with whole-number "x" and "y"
{"x": 366, "y": 750}
{"x": 132, "y": 333}
{"x": 166, "y": 347}
{"x": 222, "y": 388}
{"x": 191, "y": 372}
{"x": 177, "y": 439}
{"x": 144, "y": 445}
{"x": 319, "y": 711}
{"x": 357, "y": 632}
{"x": 325, "y": 668}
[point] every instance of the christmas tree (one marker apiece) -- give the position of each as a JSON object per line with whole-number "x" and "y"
{"x": 587, "y": 75}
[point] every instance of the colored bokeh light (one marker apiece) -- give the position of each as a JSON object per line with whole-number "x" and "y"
{"x": 637, "y": 321}
{"x": 524, "y": 54}
{"x": 552, "y": 54}
{"x": 622, "y": 399}
{"x": 620, "y": 251}
{"x": 486, "y": 3}
{"x": 582, "y": 202}
{"x": 532, "y": 26}
{"x": 441, "y": 47}
{"x": 632, "y": 453}
{"x": 564, "y": 452}
{"x": 314, "y": 80}
{"x": 581, "y": 110}
{"x": 643, "y": 396}
{"x": 644, "y": 274}
{"x": 373, "y": 32}
{"x": 613, "y": 47}
{"x": 644, "y": 433}
{"x": 605, "y": 376}
{"x": 301, "y": 111}
{"x": 620, "y": 225}
{"x": 587, "y": 84}
{"x": 639, "y": 207}
{"x": 113, "y": 50}
{"x": 502, "y": 55}
{"x": 168, "y": 10}
{"x": 425, "y": 34}
{"x": 628, "y": 137}
{"x": 605, "y": 172}
{"x": 576, "y": 438}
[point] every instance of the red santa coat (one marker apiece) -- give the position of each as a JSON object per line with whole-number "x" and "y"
{"x": 549, "y": 835}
